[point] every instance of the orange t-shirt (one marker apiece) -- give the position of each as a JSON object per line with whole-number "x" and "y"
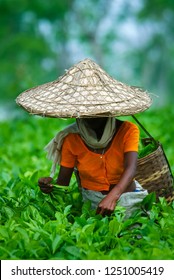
{"x": 97, "y": 172}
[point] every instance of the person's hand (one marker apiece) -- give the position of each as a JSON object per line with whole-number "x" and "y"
{"x": 107, "y": 205}
{"x": 45, "y": 184}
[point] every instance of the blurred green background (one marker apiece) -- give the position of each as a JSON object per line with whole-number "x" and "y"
{"x": 132, "y": 40}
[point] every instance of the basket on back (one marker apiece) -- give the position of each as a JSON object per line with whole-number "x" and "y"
{"x": 154, "y": 172}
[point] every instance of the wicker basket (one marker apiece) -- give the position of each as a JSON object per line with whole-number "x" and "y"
{"x": 154, "y": 173}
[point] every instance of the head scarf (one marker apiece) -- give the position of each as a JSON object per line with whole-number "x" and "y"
{"x": 89, "y": 136}
{"x": 53, "y": 148}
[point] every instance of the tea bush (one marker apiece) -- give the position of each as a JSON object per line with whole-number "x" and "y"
{"x": 59, "y": 226}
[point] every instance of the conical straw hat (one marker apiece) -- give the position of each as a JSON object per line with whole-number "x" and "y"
{"x": 85, "y": 90}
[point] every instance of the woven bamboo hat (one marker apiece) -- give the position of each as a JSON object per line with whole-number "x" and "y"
{"x": 85, "y": 90}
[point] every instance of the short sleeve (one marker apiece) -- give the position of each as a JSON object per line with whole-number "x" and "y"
{"x": 131, "y": 138}
{"x": 68, "y": 159}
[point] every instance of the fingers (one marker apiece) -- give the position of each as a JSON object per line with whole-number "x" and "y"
{"x": 44, "y": 181}
{"x": 46, "y": 189}
{"x": 105, "y": 208}
{"x": 106, "y": 205}
{"x": 103, "y": 212}
{"x": 44, "y": 184}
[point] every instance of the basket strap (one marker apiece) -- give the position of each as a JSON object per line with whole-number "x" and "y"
{"x": 167, "y": 161}
{"x": 144, "y": 128}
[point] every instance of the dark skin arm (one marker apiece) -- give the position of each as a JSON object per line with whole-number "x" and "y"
{"x": 64, "y": 177}
{"x": 107, "y": 205}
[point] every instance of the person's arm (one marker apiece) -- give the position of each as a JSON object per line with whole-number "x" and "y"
{"x": 46, "y": 183}
{"x": 64, "y": 176}
{"x": 67, "y": 159}
{"x": 107, "y": 205}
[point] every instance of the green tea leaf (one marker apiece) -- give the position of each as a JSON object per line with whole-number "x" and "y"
{"x": 56, "y": 243}
{"x": 148, "y": 201}
{"x": 67, "y": 210}
{"x": 114, "y": 227}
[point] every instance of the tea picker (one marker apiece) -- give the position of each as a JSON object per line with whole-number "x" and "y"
{"x": 101, "y": 149}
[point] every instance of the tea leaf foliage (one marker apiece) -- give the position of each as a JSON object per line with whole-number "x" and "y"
{"x": 59, "y": 225}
